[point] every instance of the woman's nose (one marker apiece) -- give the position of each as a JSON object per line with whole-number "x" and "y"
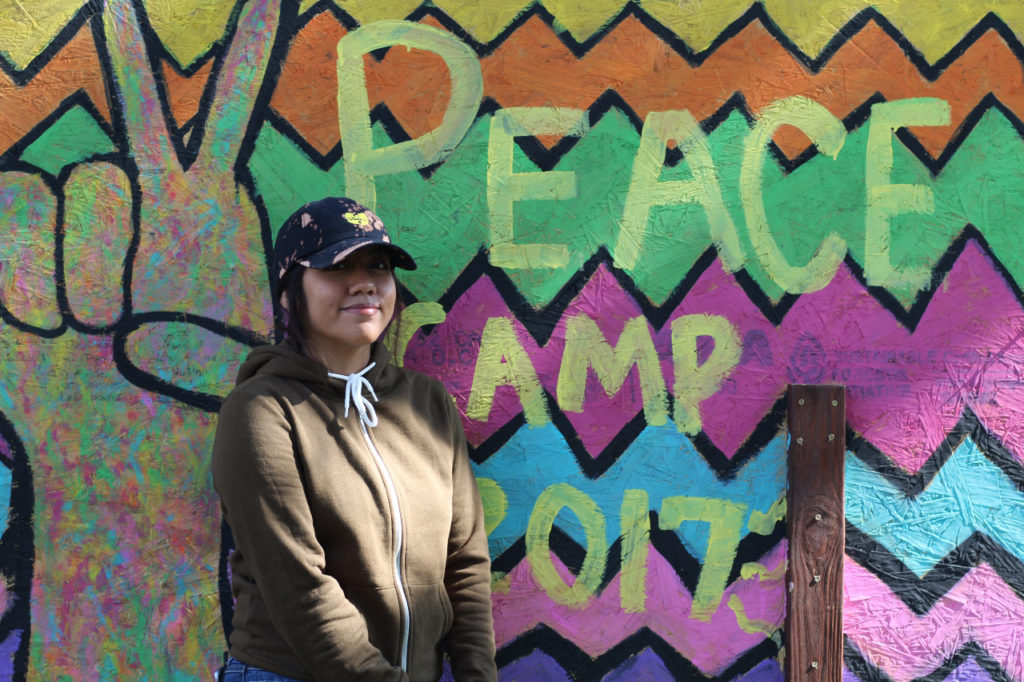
{"x": 362, "y": 282}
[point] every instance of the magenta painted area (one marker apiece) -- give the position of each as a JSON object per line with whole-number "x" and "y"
{"x": 645, "y": 665}
{"x": 748, "y": 393}
{"x": 712, "y": 646}
{"x": 980, "y": 608}
{"x": 848, "y": 676}
{"x": 450, "y": 352}
{"x": 603, "y": 416}
{"x": 905, "y": 390}
{"x": 536, "y": 667}
{"x": 8, "y": 648}
{"x": 765, "y": 671}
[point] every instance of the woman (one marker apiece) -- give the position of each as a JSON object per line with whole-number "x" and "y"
{"x": 360, "y": 551}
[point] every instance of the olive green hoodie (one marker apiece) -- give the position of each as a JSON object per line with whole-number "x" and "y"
{"x": 328, "y": 582}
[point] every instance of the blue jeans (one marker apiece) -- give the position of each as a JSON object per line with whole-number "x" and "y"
{"x": 236, "y": 671}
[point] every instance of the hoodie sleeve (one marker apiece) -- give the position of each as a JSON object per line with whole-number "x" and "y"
{"x": 258, "y": 479}
{"x": 470, "y": 641}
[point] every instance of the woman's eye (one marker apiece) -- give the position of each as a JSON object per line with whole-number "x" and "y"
{"x": 380, "y": 265}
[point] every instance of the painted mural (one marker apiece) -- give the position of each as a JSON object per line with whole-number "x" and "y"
{"x": 639, "y": 222}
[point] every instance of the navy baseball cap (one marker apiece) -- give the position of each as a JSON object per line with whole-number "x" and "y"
{"x": 324, "y": 232}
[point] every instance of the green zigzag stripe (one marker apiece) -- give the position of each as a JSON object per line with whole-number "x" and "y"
{"x": 444, "y": 219}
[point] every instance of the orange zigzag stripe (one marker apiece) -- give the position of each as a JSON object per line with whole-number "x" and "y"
{"x": 533, "y": 68}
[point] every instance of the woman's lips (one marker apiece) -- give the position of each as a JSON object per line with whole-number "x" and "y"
{"x": 361, "y": 309}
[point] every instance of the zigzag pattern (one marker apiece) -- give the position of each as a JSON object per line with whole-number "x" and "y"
{"x": 751, "y": 58}
{"x": 910, "y": 385}
{"x": 969, "y": 494}
{"x": 533, "y": 458}
{"x": 935, "y": 34}
{"x": 521, "y": 604}
{"x": 592, "y": 68}
{"x": 542, "y": 654}
{"x": 980, "y": 609}
{"x": 970, "y": 663}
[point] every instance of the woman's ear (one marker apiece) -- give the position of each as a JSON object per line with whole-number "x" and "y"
{"x": 284, "y": 301}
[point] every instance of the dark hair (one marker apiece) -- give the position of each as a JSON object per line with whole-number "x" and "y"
{"x": 289, "y": 317}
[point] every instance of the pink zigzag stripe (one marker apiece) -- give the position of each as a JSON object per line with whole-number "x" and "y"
{"x": 979, "y": 608}
{"x": 905, "y": 390}
{"x": 712, "y": 646}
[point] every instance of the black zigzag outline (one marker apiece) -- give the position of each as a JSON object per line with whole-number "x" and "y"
{"x": 581, "y": 666}
{"x": 21, "y": 77}
{"x": 17, "y": 550}
{"x": 911, "y": 485}
{"x": 751, "y": 548}
{"x": 756, "y": 13}
{"x": 911, "y": 317}
{"x": 921, "y": 594}
{"x": 866, "y": 672}
{"x": 541, "y": 323}
{"x": 79, "y": 98}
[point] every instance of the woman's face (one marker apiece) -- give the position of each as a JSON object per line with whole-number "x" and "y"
{"x": 348, "y": 306}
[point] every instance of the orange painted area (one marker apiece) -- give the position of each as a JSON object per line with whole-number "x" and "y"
{"x": 533, "y": 68}
{"x": 184, "y": 94}
{"x": 305, "y": 95}
{"x": 75, "y": 67}
{"x": 414, "y": 84}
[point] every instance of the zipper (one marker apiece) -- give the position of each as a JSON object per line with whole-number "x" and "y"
{"x": 397, "y": 516}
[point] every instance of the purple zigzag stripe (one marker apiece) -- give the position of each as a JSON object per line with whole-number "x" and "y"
{"x": 711, "y": 646}
{"x": 980, "y": 608}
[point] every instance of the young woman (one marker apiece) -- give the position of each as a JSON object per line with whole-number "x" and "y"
{"x": 360, "y": 551}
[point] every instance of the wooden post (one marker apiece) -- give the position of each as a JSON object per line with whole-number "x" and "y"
{"x": 816, "y": 531}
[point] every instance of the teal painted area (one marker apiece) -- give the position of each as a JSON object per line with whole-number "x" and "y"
{"x": 661, "y": 461}
{"x": 968, "y": 494}
{"x": 5, "y": 497}
{"x": 74, "y": 137}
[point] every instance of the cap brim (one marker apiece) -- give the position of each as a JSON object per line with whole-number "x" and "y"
{"x": 337, "y": 252}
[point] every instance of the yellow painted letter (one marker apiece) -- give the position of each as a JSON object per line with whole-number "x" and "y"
{"x": 538, "y": 550}
{"x": 586, "y": 346}
{"x": 414, "y": 316}
{"x": 362, "y": 161}
{"x": 692, "y": 383}
{"x": 505, "y": 187}
{"x": 828, "y": 134}
{"x": 645, "y": 192}
{"x": 725, "y": 519}
{"x": 635, "y": 518}
{"x": 503, "y": 361}
{"x": 886, "y": 200}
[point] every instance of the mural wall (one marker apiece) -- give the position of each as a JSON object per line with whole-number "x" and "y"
{"x": 637, "y": 223}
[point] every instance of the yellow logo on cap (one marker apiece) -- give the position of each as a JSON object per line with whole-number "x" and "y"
{"x": 359, "y": 219}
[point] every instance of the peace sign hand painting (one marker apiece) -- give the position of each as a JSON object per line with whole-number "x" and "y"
{"x": 198, "y": 275}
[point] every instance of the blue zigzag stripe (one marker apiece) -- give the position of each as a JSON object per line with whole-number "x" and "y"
{"x": 660, "y": 461}
{"x": 969, "y": 494}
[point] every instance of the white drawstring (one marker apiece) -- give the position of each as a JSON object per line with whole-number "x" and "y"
{"x": 354, "y": 384}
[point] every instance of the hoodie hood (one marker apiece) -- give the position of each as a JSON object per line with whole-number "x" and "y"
{"x": 283, "y": 360}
